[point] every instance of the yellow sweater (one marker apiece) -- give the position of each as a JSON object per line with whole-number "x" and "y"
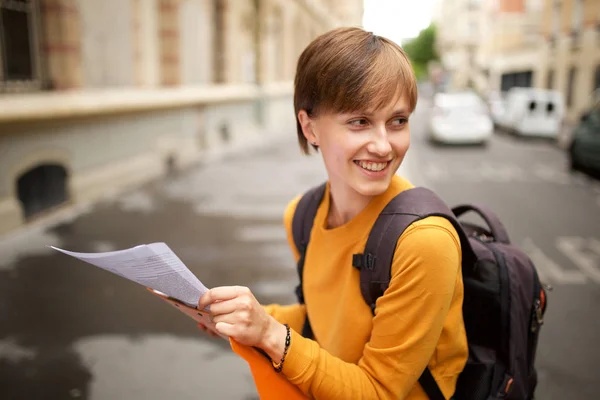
{"x": 418, "y": 321}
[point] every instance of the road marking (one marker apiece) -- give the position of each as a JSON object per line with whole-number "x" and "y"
{"x": 501, "y": 173}
{"x": 125, "y": 367}
{"x": 229, "y": 208}
{"x": 548, "y": 269}
{"x": 101, "y": 246}
{"x": 139, "y": 201}
{"x": 548, "y": 174}
{"x": 262, "y": 233}
{"x": 575, "y": 247}
{"x": 595, "y": 245}
{"x": 11, "y": 350}
{"x": 27, "y": 243}
{"x": 275, "y": 288}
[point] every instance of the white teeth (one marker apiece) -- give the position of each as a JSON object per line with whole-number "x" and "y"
{"x": 371, "y": 166}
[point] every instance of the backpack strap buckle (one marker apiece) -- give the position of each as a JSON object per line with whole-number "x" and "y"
{"x": 363, "y": 260}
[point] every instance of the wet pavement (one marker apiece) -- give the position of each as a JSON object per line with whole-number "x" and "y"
{"x": 71, "y": 330}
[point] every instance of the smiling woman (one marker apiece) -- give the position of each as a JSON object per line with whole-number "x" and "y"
{"x": 354, "y": 94}
{"x": 365, "y": 73}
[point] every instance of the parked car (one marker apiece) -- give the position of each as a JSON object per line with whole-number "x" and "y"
{"x": 531, "y": 112}
{"x": 495, "y": 102}
{"x": 584, "y": 151}
{"x": 460, "y": 118}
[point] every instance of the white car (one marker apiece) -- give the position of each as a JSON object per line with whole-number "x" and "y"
{"x": 460, "y": 118}
{"x": 532, "y": 112}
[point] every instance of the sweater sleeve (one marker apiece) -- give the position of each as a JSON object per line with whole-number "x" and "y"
{"x": 293, "y": 314}
{"x": 407, "y": 325}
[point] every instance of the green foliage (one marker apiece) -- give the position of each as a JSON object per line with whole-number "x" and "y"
{"x": 420, "y": 71}
{"x": 421, "y": 50}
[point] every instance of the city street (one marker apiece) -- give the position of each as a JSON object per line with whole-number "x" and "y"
{"x": 71, "y": 330}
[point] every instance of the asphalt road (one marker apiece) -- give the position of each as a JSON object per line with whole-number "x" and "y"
{"x": 71, "y": 330}
{"x": 555, "y": 217}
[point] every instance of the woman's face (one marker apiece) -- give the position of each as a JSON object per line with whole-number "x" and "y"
{"x": 362, "y": 150}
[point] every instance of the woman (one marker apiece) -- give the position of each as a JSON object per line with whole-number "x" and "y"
{"x": 354, "y": 94}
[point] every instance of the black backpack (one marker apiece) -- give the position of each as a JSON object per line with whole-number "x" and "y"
{"x": 504, "y": 300}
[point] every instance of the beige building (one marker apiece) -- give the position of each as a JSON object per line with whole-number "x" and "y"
{"x": 493, "y": 45}
{"x": 490, "y": 45}
{"x": 570, "y": 60}
{"x": 98, "y": 96}
{"x": 458, "y": 26}
{"x": 508, "y": 51}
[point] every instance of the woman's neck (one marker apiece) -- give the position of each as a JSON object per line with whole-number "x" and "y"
{"x": 344, "y": 204}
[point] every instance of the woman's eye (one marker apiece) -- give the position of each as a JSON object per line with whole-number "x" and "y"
{"x": 358, "y": 122}
{"x": 400, "y": 121}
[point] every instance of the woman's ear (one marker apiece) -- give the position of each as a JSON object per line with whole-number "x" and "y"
{"x": 308, "y": 128}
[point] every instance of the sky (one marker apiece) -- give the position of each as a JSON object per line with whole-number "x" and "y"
{"x": 397, "y": 19}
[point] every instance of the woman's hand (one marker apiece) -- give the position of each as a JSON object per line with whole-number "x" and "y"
{"x": 237, "y": 314}
{"x": 207, "y": 330}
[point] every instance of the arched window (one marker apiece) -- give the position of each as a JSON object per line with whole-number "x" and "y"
{"x": 42, "y": 188}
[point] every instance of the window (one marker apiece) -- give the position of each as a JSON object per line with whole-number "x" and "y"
{"x": 577, "y": 17}
{"x": 219, "y": 43}
{"x": 555, "y": 19}
{"x": 42, "y": 188}
{"x": 19, "y": 57}
{"x": 571, "y": 86}
{"x": 516, "y": 79}
{"x": 550, "y": 79}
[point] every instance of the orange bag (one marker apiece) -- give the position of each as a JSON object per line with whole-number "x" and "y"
{"x": 269, "y": 384}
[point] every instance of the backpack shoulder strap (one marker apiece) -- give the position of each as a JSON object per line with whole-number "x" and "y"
{"x": 403, "y": 210}
{"x": 302, "y": 223}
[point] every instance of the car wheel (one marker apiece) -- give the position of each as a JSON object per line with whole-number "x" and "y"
{"x": 431, "y": 139}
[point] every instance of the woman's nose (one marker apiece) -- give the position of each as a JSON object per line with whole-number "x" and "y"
{"x": 379, "y": 144}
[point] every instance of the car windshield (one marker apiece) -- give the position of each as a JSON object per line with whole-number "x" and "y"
{"x": 461, "y": 101}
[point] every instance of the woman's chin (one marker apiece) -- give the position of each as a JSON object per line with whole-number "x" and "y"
{"x": 372, "y": 188}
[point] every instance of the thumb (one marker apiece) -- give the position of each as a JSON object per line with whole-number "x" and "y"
{"x": 225, "y": 328}
{"x": 205, "y": 300}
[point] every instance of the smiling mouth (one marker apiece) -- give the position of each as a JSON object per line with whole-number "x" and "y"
{"x": 372, "y": 166}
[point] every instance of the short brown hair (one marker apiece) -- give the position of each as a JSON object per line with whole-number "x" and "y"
{"x": 349, "y": 69}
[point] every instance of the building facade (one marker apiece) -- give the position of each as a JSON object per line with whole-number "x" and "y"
{"x": 458, "y": 25}
{"x": 508, "y": 51}
{"x": 99, "y": 96}
{"x": 490, "y": 45}
{"x": 493, "y": 45}
{"x": 570, "y": 60}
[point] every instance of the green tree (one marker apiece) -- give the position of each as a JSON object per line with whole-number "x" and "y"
{"x": 421, "y": 50}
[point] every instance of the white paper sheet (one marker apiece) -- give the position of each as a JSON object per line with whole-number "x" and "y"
{"x": 152, "y": 265}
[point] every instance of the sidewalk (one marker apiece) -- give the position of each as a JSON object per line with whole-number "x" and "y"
{"x": 564, "y": 137}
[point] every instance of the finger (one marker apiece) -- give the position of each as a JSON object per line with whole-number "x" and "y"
{"x": 220, "y": 293}
{"x": 225, "y": 329}
{"x": 223, "y": 307}
{"x": 208, "y": 331}
{"x": 212, "y": 333}
{"x": 230, "y": 318}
